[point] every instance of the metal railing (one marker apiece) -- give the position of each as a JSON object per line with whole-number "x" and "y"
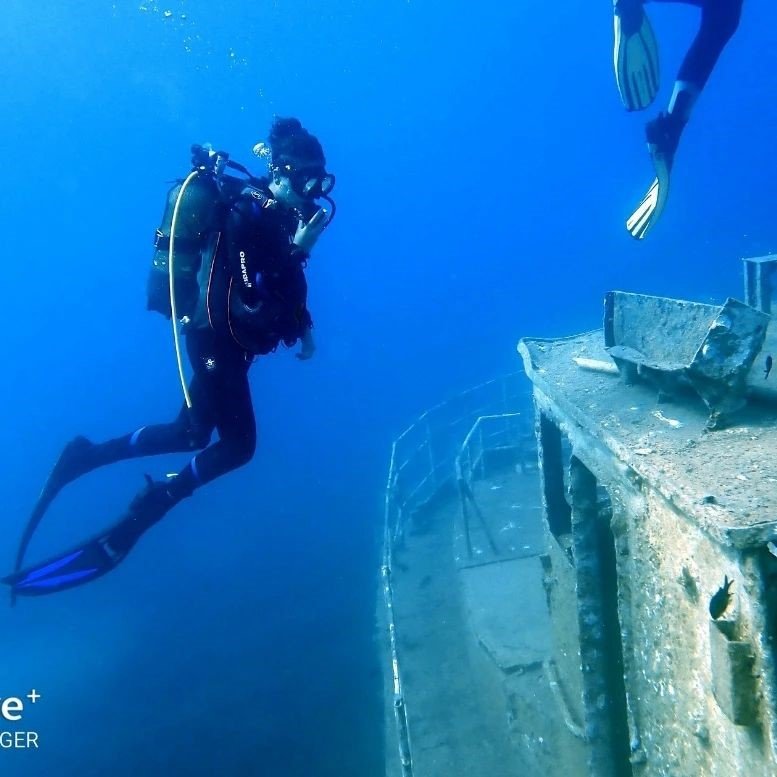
{"x": 425, "y": 460}
{"x": 489, "y": 434}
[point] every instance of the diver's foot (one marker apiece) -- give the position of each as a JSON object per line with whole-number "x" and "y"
{"x": 663, "y": 136}
{"x": 156, "y": 498}
{"x": 147, "y": 508}
{"x": 631, "y": 13}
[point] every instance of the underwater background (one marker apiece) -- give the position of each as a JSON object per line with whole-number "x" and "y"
{"x": 485, "y": 168}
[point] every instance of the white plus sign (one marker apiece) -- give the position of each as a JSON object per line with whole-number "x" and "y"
{"x": 33, "y": 696}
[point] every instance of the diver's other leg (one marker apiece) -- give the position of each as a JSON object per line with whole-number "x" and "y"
{"x": 147, "y": 441}
{"x": 80, "y": 456}
{"x": 719, "y": 22}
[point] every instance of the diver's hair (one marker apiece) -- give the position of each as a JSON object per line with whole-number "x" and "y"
{"x": 291, "y": 142}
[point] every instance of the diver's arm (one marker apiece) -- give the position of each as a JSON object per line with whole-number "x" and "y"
{"x": 308, "y": 343}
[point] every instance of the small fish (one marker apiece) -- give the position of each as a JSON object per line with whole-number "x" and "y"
{"x": 721, "y": 599}
{"x": 768, "y": 367}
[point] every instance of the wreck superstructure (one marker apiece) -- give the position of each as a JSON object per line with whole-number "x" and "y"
{"x": 579, "y": 591}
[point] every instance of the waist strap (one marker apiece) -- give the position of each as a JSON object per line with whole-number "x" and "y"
{"x": 188, "y": 244}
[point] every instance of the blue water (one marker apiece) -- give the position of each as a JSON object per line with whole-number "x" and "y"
{"x": 484, "y": 166}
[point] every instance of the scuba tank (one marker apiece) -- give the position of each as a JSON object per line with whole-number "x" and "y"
{"x": 194, "y": 207}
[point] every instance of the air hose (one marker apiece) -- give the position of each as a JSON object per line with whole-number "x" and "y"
{"x": 173, "y": 307}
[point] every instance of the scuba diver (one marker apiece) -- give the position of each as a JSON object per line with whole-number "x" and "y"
{"x": 635, "y": 58}
{"x": 228, "y": 268}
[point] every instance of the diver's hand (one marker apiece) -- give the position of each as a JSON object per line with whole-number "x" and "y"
{"x": 308, "y": 346}
{"x": 308, "y": 232}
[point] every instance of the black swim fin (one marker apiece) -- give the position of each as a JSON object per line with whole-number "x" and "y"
{"x": 74, "y": 461}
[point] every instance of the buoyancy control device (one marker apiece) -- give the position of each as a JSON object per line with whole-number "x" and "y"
{"x": 187, "y": 241}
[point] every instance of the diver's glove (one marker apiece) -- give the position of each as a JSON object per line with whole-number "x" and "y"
{"x": 308, "y": 232}
{"x": 308, "y": 346}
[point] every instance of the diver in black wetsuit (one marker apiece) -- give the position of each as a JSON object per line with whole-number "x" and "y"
{"x": 637, "y": 76}
{"x": 256, "y": 298}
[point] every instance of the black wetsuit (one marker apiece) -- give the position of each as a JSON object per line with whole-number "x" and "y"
{"x": 256, "y": 299}
{"x": 719, "y": 21}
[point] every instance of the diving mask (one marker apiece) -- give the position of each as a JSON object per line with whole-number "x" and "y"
{"x": 308, "y": 182}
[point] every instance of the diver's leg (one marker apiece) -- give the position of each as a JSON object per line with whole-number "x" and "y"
{"x": 224, "y": 396}
{"x": 233, "y": 415}
{"x": 719, "y": 22}
{"x": 191, "y": 430}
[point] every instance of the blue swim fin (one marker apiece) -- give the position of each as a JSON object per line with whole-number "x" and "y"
{"x": 75, "y": 567}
